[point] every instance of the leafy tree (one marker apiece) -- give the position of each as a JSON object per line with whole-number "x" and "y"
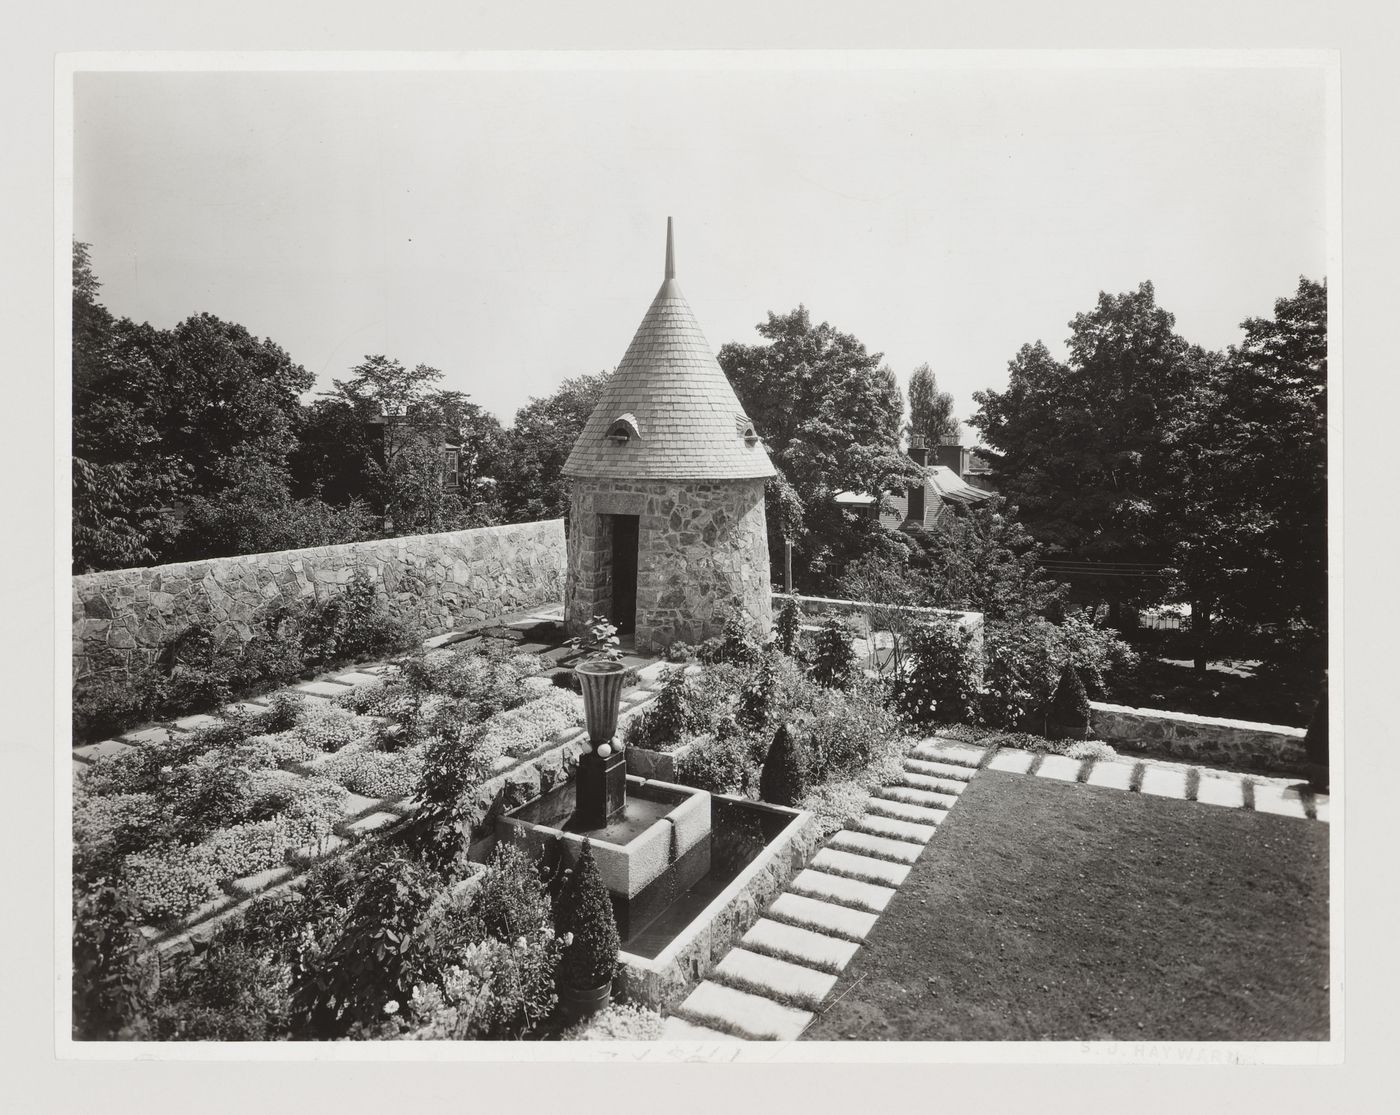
{"x": 984, "y": 560}
{"x": 830, "y": 416}
{"x": 930, "y": 410}
{"x": 527, "y": 460}
{"x": 1263, "y": 448}
{"x": 380, "y": 436}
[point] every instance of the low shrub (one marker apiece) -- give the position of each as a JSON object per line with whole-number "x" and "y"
{"x": 441, "y": 829}
{"x": 719, "y": 764}
{"x": 375, "y": 774}
{"x": 286, "y": 710}
{"x": 1025, "y": 659}
{"x": 495, "y": 991}
{"x": 939, "y": 684}
{"x": 530, "y": 726}
{"x": 329, "y": 728}
{"x": 833, "y": 658}
{"x": 233, "y": 992}
{"x": 371, "y": 966}
{"x": 617, "y": 1022}
{"x": 109, "y": 826}
{"x": 670, "y": 718}
{"x": 170, "y": 882}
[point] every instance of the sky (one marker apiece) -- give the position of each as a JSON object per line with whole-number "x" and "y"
{"x": 508, "y": 227}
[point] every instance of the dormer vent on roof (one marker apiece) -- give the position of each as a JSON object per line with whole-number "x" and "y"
{"x": 623, "y": 429}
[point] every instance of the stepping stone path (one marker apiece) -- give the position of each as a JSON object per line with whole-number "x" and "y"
{"x": 770, "y": 986}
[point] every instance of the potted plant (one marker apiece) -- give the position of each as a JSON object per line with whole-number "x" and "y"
{"x": 600, "y": 676}
{"x": 584, "y": 921}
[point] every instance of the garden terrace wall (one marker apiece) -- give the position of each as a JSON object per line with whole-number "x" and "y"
{"x": 431, "y": 582}
{"x": 827, "y": 606}
{"x": 1207, "y": 739}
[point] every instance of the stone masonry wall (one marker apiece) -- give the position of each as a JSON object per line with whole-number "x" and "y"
{"x": 433, "y": 582}
{"x": 702, "y": 545}
{"x": 1243, "y": 744}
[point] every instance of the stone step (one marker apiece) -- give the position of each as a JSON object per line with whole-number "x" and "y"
{"x": 901, "y": 811}
{"x": 805, "y": 987}
{"x": 951, "y": 751}
{"x": 879, "y": 847}
{"x": 877, "y": 825}
{"x": 818, "y": 950}
{"x": 910, "y": 796}
{"x": 1060, "y": 767}
{"x": 678, "y": 1029}
{"x": 929, "y": 757}
{"x": 1111, "y": 773}
{"x": 928, "y": 782}
{"x": 824, "y": 917}
{"x": 1011, "y": 760}
{"x": 870, "y": 897}
{"x": 755, "y": 1015}
{"x": 864, "y": 868}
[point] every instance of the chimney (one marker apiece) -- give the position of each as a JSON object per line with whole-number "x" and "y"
{"x": 918, "y": 451}
{"x": 950, "y": 455}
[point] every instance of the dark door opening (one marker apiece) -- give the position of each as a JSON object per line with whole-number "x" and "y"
{"x": 624, "y": 573}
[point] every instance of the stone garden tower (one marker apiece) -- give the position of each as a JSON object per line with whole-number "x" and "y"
{"x": 666, "y": 523}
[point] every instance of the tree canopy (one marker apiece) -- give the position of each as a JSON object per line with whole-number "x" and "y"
{"x": 930, "y": 410}
{"x": 829, "y": 412}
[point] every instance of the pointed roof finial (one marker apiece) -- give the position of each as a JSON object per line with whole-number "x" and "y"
{"x": 670, "y": 252}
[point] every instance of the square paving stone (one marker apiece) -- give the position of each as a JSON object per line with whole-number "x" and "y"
{"x": 877, "y": 847}
{"x": 894, "y": 829}
{"x": 824, "y": 917}
{"x": 796, "y": 981}
{"x": 903, "y": 811}
{"x": 818, "y": 949}
{"x": 357, "y": 677}
{"x": 1009, "y": 759}
{"x": 198, "y": 720}
{"x": 254, "y": 884}
{"x": 1164, "y": 782}
{"x": 369, "y": 824}
{"x": 870, "y": 897}
{"x": 1112, "y": 773}
{"x": 107, "y": 749}
{"x": 322, "y": 689}
{"x": 309, "y": 853}
{"x": 951, "y": 751}
{"x": 148, "y": 735}
{"x": 1270, "y": 797}
{"x": 867, "y": 868}
{"x": 753, "y": 1014}
{"x": 1060, "y": 767}
{"x": 1226, "y": 791}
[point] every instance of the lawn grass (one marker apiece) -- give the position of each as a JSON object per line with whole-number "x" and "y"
{"x": 1046, "y": 910}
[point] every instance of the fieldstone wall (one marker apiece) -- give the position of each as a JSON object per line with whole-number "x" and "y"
{"x": 831, "y": 606}
{"x": 432, "y": 582}
{"x": 1215, "y": 740}
{"x": 702, "y": 545}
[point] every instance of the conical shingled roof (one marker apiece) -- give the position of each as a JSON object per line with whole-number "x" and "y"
{"x": 679, "y": 417}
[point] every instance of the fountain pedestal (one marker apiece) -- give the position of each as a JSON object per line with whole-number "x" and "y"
{"x": 602, "y": 790}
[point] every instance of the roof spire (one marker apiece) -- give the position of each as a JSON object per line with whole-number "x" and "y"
{"x": 670, "y": 252}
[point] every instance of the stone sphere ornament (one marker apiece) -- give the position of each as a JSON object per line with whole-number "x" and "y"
{"x": 604, "y": 750}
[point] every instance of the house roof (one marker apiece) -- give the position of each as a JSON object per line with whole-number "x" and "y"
{"x": 942, "y": 486}
{"x": 688, "y": 421}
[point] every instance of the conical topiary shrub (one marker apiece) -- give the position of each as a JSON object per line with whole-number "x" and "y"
{"x": 1068, "y": 717}
{"x": 585, "y": 922}
{"x": 781, "y": 781}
